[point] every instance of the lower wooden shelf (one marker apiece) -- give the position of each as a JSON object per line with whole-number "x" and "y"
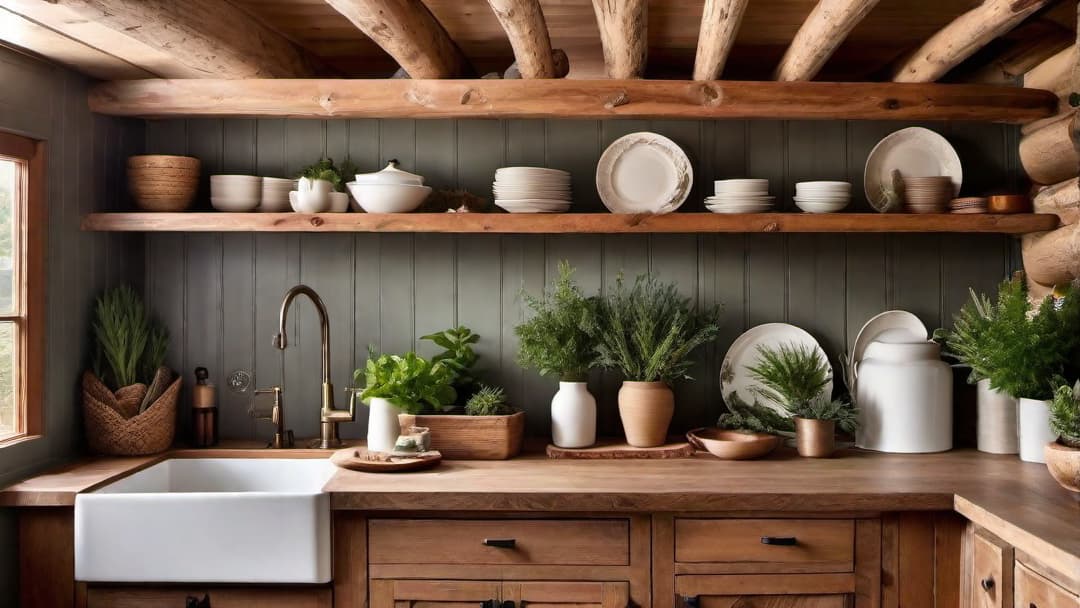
{"x": 594, "y": 223}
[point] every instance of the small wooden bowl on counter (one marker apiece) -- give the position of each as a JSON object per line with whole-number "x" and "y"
{"x": 733, "y": 445}
{"x": 1009, "y": 203}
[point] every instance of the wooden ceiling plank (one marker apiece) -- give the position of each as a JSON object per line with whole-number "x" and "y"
{"x": 821, "y": 34}
{"x": 720, "y": 20}
{"x": 409, "y": 33}
{"x": 191, "y": 39}
{"x": 527, "y": 31}
{"x": 1035, "y": 42}
{"x": 963, "y": 37}
{"x": 624, "y": 36}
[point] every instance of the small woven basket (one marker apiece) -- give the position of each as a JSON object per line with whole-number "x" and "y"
{"x": 114, "y": 424}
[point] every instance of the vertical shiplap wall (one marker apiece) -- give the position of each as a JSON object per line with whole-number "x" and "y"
{"x": 220, "y": 292}
{"x": 84, "y": 172}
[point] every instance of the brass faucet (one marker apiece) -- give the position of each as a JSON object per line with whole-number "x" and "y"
{"x": 283, "y": 438}
{"x": 329, "y": 417}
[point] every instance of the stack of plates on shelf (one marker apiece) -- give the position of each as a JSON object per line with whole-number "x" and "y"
{"x": 532, "y": 190}
{"x": 740, "y": 196}
{"x": 927, "y": 194}
{"x": 235, "y": 193}
{"x": 822, "y": 197}
{"x": 968, "y": 204}
{"x": 275, "y": 194}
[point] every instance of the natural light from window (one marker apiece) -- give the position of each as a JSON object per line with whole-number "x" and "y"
{"x": 10, "y": 172}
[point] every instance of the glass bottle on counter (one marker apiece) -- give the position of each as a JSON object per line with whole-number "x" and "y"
{"x": 204, "y": 410}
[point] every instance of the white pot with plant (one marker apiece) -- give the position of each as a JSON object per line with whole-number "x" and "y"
{"x": 560, "y": 341}
{"x": 796, "y": 377}
{"x": 1063, "y": 455}
{"x": 394, "y": 384}
{"x": 649, "y": 333}
{"x": 321, "y": 188}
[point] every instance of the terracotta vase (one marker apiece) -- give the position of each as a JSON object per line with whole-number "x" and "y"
{"x": 815, "y": 438}
{"x": 646, "y": 409}
{"x": 1063, "y": 463}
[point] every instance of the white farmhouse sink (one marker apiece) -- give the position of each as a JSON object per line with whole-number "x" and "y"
{"x": 227, "y": 520}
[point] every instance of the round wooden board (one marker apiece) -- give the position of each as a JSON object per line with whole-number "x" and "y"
{"x": 360, "y": 459}
{"x": 612, "y": 450}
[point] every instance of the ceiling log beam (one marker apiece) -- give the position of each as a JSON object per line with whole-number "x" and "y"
{"x": 1048, "y": 155}
{"x": 720, "y": 21}
{"x": 624, "y": 36}
{"x": 408, "y": 32}
{"x": 1035, "y": 42}
{"x": 523, "y": 21}
{"x": 964, "y": 36}
{"x": 825, "y": 28}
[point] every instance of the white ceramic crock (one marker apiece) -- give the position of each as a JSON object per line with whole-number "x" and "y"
{"x": 996, "y": 422}
{"x": 573, "y": 416}
{"x": 904, "y": 396}
{"x": 383, "y": 427}
{"x": 1034, "y": 427}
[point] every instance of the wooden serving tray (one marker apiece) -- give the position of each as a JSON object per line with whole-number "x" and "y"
{"x": 614, "y": 449}
{"x": 360, "y": 459}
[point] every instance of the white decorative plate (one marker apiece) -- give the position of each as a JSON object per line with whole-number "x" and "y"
{"x": 915, "y": 152}
{"x": 735, "y": 378}
{"x": 644, "y": 173}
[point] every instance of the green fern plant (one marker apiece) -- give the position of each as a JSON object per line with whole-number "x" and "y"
{"x": 793, "y": 375}
{"x": 1065, "y": 414}
{"x": 560, "y": 338}
{"x": 129, "y": 346}
{"x": 742, "y": 416}
{"x": 967, "y": 341}
{"x": 488, "y": 401}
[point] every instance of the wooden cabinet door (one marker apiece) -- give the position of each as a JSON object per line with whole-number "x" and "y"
{"x": 765, "y": 591}
{"x": 218, "y": 597}
{"x": 388, "y": 593}
{"x": 1035, "y": 591}
{"x": 557, "y": 594}
{"x": 990, "y": 584}
{"x": 774, "y": 601}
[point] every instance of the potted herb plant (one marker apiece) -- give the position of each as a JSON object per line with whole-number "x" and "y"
{"x": 560, "y": 340}
{"x": 394, "y": 384}
{"x": 321, "y": 187}
{"x": 649, "y": 332}
{"x": 1063, "y": 455}
{"x": 795, "y": 376}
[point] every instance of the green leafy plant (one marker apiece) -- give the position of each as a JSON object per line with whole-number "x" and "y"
{"x": 326, "y": 170}
{"x": 649, "y": 331}
{"x": 743, "y": 416}
{"x": 458, "y": 355}
{"x": 1065, "y": 414}
{"x": 129, "y": 346}
{"x": 409, "y": 382}
{"x": 560, "y": 338}
{"x": 967, "y": 341}
{"x": 488, "y": 401}
{"x": 796, "y": 376}
{"x": 840, "y": 411}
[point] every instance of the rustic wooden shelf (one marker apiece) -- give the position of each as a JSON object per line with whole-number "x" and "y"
{"x": 563, "y": 98}
{"x": 594, "y": 223}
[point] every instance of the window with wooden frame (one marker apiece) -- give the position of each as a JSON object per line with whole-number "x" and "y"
{"x": 22, "y": 286}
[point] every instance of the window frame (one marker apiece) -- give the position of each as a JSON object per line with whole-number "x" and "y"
{"x": 30, "y": 216}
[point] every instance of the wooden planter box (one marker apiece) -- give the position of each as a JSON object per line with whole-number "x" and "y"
{"x": 461, "y": 437}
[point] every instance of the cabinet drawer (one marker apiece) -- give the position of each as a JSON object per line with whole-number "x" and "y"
{"x": 991, "y": 576}
{"x": 597, "y": 542}
{"x": 765, "y": 591}
{"x": 773, "y": 601}
{"x": 1035, "y": 591}
{"x": 220, "y": 597}
{"x": 804, "y": 545}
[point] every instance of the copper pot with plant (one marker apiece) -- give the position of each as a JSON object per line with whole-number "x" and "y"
{"x": 1063, "y": 455}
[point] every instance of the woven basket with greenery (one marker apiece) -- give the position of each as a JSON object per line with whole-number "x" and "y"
{"x": 110, "y": 430}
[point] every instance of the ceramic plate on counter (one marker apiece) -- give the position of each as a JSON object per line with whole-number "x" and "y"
{"x": 896, "y": 323}
{"x": 644, "y": 173}
{"x": 914, "y": 152}
{"x": 736, "y": 378}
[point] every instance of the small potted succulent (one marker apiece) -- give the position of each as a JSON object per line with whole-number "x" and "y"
{"x": 1063, "y": 455}
{"x": 649, "y": 333}
{"x": 401, "y": 383}
{"x": 795, "y": 376}
{"x": 560, "y": 340}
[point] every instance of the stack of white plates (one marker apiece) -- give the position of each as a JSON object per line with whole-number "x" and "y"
{"x": 275, "y": 194}
{"x": 532, "y": 190}
{"x": 822, "y": 197}
{"x": 235, "y": 192}
{"x": 740, "y": 196}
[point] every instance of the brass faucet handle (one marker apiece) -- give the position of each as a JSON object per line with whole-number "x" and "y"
{"x": 275, "y": 408}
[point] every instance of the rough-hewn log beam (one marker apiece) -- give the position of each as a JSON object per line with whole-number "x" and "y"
{"x": 1056, "y": 73}
{"x": 1049, "y": 155}
{"x": 720, "y": 22}
{"x": 965, "y": 35}
{"x": 624, "y": 36}
{"x": 563, "y": 98}
{"x": 1062, "y": 199}
{"x": 1035, "y": 42}
{"x": 408, "y": 31}
{"x": 824, "y": 29}
{"x": 191, "y": 39}
{"x": 1052, "y": 258}
{"x": 523, "y": 21}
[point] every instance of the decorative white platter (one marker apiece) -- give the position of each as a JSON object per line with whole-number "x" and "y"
{"x": 889, "y": 321}
{"x": 644, "y": 173}
{"x": 734, "y": 375}
{"x": 914, "y": 152}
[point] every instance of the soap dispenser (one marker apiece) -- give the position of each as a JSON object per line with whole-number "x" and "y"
{"x": 204, "y": 409}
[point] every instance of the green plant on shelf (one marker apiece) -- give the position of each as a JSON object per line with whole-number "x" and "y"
{"x": 560, "y": 338}
{"x": 325, "y": 169}
{"x": 129, "y": 346}
{"x": 409, "y": 382}
{"x": 459, "y": 356}
{"x": 1065, "y": 414}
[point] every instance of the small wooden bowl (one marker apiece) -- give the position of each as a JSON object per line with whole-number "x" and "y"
{"x": 1009, "y": 203}
{"x": 733, "y": 445}
{"x": 1063, "y": 463}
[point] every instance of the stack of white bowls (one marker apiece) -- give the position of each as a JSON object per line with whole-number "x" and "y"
{"x": 532, "y": 190}
{"x": 275, "y": 194}
{"x": 740, "y": 196}
{"x": 389, "y": 191}
{"x": 822, "y": 197}
{"x": 235, "y": 193}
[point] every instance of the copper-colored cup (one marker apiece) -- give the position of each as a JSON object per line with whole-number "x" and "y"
{"x": 815, "y": 438}
{"x": 1009, "y": 203}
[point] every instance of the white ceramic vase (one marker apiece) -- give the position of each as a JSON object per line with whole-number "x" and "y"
{"x": 996, "y": 420}
{"x": 1035, "y": 433}
{"x": 573, "y": 416}
{"x": 383, "y": 427}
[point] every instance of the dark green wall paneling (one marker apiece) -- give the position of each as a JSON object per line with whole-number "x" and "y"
{"x": 388, "y": 289}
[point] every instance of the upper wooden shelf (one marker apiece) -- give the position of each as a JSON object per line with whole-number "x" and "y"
{"x": 563, "y": 98}
{"x": 595, "y": 223}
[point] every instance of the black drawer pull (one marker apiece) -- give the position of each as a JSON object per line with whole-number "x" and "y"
{"x": 502, "y": 543}
{"x": 691, "y": 601}
{"x": 786, "y": 541}
{"x": 194, "y": 602}
{"x": 987, "y": 583}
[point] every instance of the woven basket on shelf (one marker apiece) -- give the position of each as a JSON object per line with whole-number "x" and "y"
{"x": 114, "y": 425}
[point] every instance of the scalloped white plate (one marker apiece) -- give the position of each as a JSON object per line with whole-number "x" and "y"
{"x": 915, "y": 152}
{"x": 644, "y": 173}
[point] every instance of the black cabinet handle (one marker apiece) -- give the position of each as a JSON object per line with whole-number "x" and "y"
{"x": 509, "y": 604}
{"x": 489, "y": 604}
{"x": 987, "y": 583}
{"x": 786, "y": 541}
{"x": 194, "y": 602}
{"x": 502, "y": 543}
{"x": 691, "y": 601}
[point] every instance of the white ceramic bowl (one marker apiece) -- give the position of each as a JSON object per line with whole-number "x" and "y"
{"x": 811, "y": 207}
{"x": 234, "y": 205}
{"x": 339, "y": 202}
{"x": 309, "y": 202}
{"x": 388, "y": 198}
{"x": 747, "y": 186}
{"x": 824, "y": 185}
